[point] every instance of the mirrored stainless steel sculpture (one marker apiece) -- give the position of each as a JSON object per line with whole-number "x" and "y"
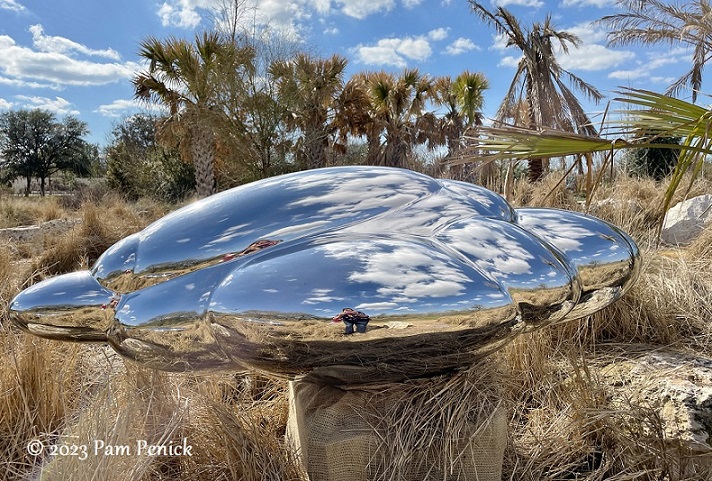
{"x": 251, "y": 277}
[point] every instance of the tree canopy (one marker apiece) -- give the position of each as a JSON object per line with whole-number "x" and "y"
{"x": 33, "y": 143}
{"x": 538, "y": 86}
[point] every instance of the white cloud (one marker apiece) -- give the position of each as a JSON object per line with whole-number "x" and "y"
{"x": 417, "y": 48}
{"x": 284, "y": 16}
{"x": 21, "y": 64}
{"x": 662, "y": 80}
{"x": 461, "y": 45}
{"x": 46, "y": 43}
{"x": 411, "y": 3}
{"x": 118, "y": 108}
{"x": 363, "y": 8}
{"x": 509, "y": 61}
{"x": 588, "y": 33}
{"x": 5, "y": 105}
{"x": 586, "y": 3}
{"x": 522, "y": 3}
{"x": 11, "y": 5}
{"x": 394, "y": 51}
{"x": 592, "y": 57}
{"x": 499, "y": 42}
{"x": 183, "y": 14}
{"x": 22, "y": 84}
{"x": 438, "y": 34}
{"x": 58, "y": 105}
{"x": 323, "y": 7}
{"x": 589, "y": 56}
{"x": 645, "y": 69}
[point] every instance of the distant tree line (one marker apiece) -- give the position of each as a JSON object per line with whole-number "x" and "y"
{"x": 35, "y": 145}
{"x": 240, "y": 108}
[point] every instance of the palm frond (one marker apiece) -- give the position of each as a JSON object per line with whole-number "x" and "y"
{"x": 645, "y": 111}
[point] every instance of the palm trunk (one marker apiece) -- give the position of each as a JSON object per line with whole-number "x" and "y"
{"x": 203, "y": 153}
{"x": 535, "y": 167}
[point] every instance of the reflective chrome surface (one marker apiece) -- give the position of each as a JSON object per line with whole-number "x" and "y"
{"x": 251, "y": 277}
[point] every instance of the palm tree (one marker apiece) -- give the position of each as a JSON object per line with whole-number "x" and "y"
{"x": 187, "y": 79}
{"x": 393, "y": 120}
{"x": 310, "y": 86}
{"x": 538, "y": 80}
{"x": 463, "y": 99}
{"x": 653, "y": 22}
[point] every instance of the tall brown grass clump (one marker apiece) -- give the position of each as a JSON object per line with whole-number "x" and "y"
{"x": 39, "y": 386}
{"x": 20, "y": 211}
{"x": 100, "y": 227}
{"x": 233, "y": 430}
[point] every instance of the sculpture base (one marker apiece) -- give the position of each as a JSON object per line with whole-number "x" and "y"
{"x": 397, "y": 431}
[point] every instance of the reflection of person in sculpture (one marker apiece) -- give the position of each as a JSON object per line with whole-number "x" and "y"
{"x": 350, "y": 318}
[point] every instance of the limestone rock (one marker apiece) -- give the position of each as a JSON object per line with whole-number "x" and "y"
{"x": 677, "y": 385}
{"x": 685, "y": 220}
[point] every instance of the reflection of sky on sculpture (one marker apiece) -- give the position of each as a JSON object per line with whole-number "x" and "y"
{"x": 390, "y": 276}
{"x": 586, "y": 241}
{"x": 186, "y": 294}
{"x": 486, "y": 202}
{"x": 405, "y": 272}
{"x": 303, "y": 204}
{"x": 357, "y": 191}
{"x": 76, "y": 289}
{"x": 511, "y": 255}
{"x": 423, "y": 217}
{"x": 117, "y": 258}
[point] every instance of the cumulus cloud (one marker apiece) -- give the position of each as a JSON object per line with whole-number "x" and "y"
{"x": 11, "y": 5}
{"x": 509, "y": 61}
{"x": 646, "y": 70}
{"x": 522, "y": 3}
{"x": 24, "y": 65}
{"x": 411, "y": 3}
{"x": 438, "y": 34}
{"x": 363, "y": 8}
{"x": 58, "y": 105}
{"x": 461, "y": 45}
{"x": 46, "y": 43}
{"x": 5, "y": 105}
{"x": 586, "y": 3}
{"x": 588, "y": 33}
{"x": 281, "y": 15}
{"x": 499, "y": 42}
{"x": 181, "y": 13}
{"x": 592, "y": 57}
{"x": 119, "y": 108}
{"x": 394, "y": 51}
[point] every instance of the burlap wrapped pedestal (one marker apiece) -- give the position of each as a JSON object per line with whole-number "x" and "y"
{"x": 396, "y": 433}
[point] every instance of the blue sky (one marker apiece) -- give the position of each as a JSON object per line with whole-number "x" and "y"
{"x": 78, "y": 56}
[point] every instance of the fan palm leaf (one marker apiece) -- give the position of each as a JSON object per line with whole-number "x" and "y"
{"x": 647, "y": 111}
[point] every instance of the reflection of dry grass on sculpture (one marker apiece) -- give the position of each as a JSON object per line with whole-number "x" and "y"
{"x": 562, "y": 424}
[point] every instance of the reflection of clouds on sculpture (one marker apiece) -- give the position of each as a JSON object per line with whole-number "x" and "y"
{"x": 400, "y": 271}
{"x": 353, "y": 192}
{"x": 252, "y": 276}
